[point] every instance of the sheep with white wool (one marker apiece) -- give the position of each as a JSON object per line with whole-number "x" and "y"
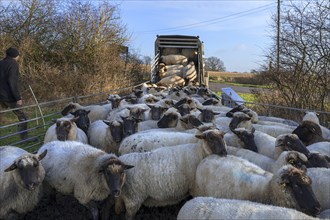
{"x": 273, "y": 130}
{"x": 277, "y": 120}
{"x": 65, "y": 129}
{"x": 321, "y": 147}
{"x": 149, "y": 140}
{"x": 309, "y": 132}
{"x": 213, "y": 208}
{"x": 174, "y": 59}
{"x": 21, "y": 177}
{"x": 239, "y": 120}
{"x": 250, "y": 139}
{"x": 171, "y": 81}
{"x": 321, "y": 185}
{"x": 164, "y": 176}
{"x": 106, "y": 135}
{"x": 294, "y": 158}
{"x": 88, "y": 173}
{"x": 287, "y": 142}
{"x": 97, "y": 112}
{"x": 236, "y": 178}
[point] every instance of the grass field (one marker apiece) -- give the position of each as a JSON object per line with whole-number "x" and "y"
{"x": 230, "y": 74}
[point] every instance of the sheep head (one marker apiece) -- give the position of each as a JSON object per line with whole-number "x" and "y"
{"x": 113, "y": 171}
{"x": 29, "y": 172}
{"x": 295, "y": 185}
{"x": 213, "y": 142}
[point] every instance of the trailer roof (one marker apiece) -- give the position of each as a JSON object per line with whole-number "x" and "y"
{"x": 178, "y": 36}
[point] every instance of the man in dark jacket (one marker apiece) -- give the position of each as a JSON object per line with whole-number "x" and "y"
{"x": 9, "y": 88}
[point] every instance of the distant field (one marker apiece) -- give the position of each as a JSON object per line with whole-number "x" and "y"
{"x": 230, "y": 74}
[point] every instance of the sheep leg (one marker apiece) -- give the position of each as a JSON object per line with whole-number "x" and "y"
{"x": 92, "y": 206}
{"x": 131, "y": 211}
{"x": 106, "y": 207}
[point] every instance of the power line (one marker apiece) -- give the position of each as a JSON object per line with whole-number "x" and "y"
{"x": 213, "y": 21}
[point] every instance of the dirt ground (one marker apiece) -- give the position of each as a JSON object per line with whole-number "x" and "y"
{"x": 68, "y": 208}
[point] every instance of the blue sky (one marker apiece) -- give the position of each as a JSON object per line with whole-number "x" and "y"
{"x": 236, "y": 31}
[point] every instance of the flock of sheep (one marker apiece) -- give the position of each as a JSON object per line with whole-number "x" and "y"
{"x": 161, "y": 145}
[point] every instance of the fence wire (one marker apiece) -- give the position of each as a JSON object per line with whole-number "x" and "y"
{"x": 38, "y": 122}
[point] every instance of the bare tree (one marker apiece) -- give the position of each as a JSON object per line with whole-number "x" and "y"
{"x": 302, "y": 79}
{"x": 214, "y": 64}
{"x": 65, "y": 43}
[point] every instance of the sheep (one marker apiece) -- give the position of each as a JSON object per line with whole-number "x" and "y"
{"x": 235, "y": 178}
{"x": 171, "y": 81}
{"x": 292, "y": 142}
{"x": 213, "y": 208}
{"x": 325, "y": 214}
{"x": 88, "y": 173}
{"x": 164, "y": 176}
{"x": 321, "y": 185}
{"x": 238, "y": 120}
{"x": 98, "y": 112}
{"x": 174, "y": 59}
{"x": 207, "y": 115}
{"x": 155, "y": 112}
{"x": 242, "y": 108}
{"x": 149, "y": 140}
{"x": 309, "y": 132}
{"x": 65, "y": 129}
{"x": 21, "y": 177}
{"x": 115, "y": 100}
{"x": 251, "y": 139}
{"x": 148, "y": 99}
{"x": 273, "y": 130}
{"x": 173, "y": 119}
{"x": 312, "y": 116}
{"x": 262, "y": 118}
{"x": 106, "y": 135}
{"x": 321, "y": 147}
{"x": 83, "y": 121}
{"x": 130, "y": 125}
{"x": 294, "y": 158}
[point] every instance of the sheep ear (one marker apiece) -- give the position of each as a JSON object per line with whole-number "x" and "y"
{"x": 87, "y": 112}
{"x": 54, "y": 120}
{"x": 127, "y": 167}
{"x": 42, "y": 155}
{"x": 106, "y": 122}
{"x": 12, "y": 167}
{"x": 74, "y": 119}
{"x": 327, "y": 158}
{"x": 200, "y": 136}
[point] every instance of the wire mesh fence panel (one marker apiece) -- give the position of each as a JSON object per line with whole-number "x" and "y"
{"x": 42, "y": 116}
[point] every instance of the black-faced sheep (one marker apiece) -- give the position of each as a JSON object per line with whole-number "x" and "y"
{"x": 235, "y": 178}
{"x": 292, "y": 142}
{"x": 97, "y": 112}
{"x": 106, "y": 135}
{"x": 21, "y": 177}
{"x": 65, "y": 129}
{"x": 164, "y": 176}
{"x": 309, "y": 132}
{"x": 88, "y": 173}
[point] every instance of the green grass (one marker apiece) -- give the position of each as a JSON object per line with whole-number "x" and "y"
{"x": 240, "y": 84}
{"x": 248, "y": 97}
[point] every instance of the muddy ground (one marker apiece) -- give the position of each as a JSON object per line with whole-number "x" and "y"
{"x": 68, "y": 208}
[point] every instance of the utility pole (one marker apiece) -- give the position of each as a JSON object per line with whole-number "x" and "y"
{"x": 278, "y": 34}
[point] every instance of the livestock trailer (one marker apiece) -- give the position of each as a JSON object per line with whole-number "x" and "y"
{"x": 189, "y": 46}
